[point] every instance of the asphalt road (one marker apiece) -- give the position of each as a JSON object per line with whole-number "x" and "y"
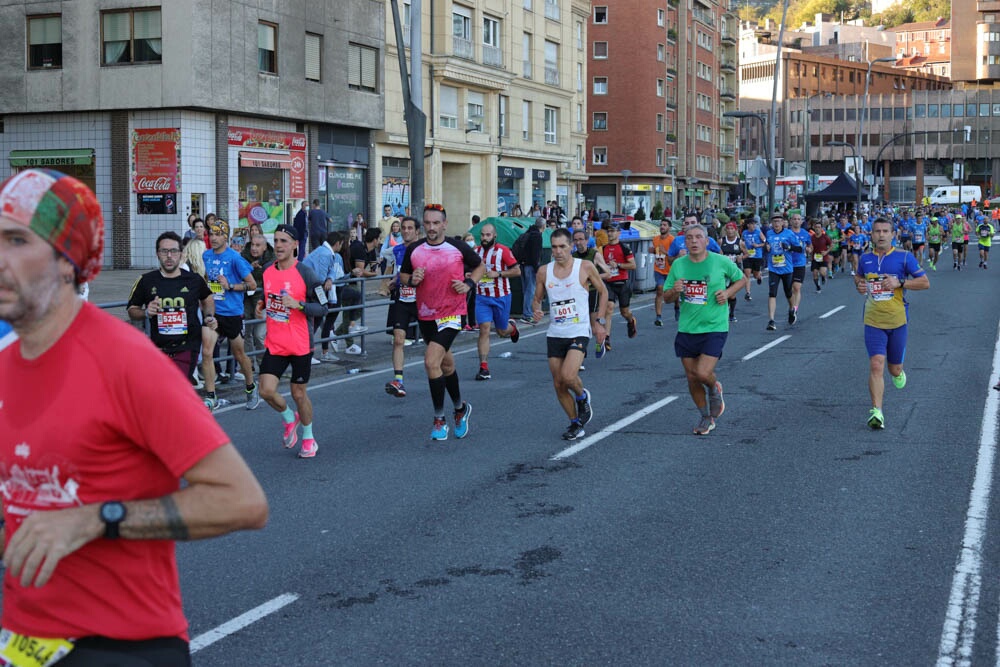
{"x": 791, "y": 535}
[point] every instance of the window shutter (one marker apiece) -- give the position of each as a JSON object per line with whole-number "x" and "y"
{"x": 353, "y": 65}
{"x": 369, "y": 58}
{"x": 116, "y": 28}
{"x": 313, "y": 43}
{"x": 45, "y": 31}
{"x": 147, "y": 24}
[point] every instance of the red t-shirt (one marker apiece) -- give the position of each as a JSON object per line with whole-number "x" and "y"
{"x": 618, "y": 254}
{"x": 442, "y": 263}
{"x": 102, "y": 415}
{"x": 288, "y": 331}
{"x": 497, "y": 258}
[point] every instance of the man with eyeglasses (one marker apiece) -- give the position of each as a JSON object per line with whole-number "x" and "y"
{"x": 170, "y": 298}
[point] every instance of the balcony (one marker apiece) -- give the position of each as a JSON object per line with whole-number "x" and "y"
{"x": 462, "y": 48}
{"x": 551, "y": 76}
{"x": 527, "y": 69}
{"x": 704, "y": 16}
{"x": 728, "y": 38}
{"x": 730, "y": 177}
{"x": 671, "y": 138}
{"x": 492, "y": 56}
{"x": 727, "y": 66}
{"x": 727, "y": 93}
{"x": 672, "y": 98}
{"x": 731, "y": 6}
{"x": 727, "y": 149}
{"x": 728, "y": 123}
{"x": 406, "y": 35}
{"x": 988, "y": 6}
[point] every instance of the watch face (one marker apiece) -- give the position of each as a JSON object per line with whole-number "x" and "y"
{"x": 112, "y": 512}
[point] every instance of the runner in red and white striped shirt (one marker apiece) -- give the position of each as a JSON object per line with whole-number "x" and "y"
{"x": 493, "y": 295}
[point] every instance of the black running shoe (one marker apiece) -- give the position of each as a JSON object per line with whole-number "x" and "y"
{"x": 771, "y": 326}
{"x": 574, "y": 431}
{"x": 583, "y": 410}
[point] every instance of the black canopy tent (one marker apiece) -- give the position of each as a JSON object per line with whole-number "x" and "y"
{"x": 844, "y": 188}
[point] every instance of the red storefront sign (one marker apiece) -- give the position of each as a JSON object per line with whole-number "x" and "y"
{"x": 155, "y": 164}
{"x": 293, "y": 142}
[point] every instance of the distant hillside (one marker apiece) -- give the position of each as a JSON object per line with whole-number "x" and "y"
{"x": 803, "y": 11}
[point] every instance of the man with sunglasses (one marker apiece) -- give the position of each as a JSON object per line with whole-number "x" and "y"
{"x": 171, "y": 298}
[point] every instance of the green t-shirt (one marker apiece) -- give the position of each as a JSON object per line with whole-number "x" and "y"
{"x": 934, "y": 233}
{"x": 699, "y": 311}
{"x": 984, "y": 231}
{"x": 834, "y": 235}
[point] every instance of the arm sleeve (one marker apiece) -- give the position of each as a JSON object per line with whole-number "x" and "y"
{"x": 912, "y": 267}
{"x": 242, "y": 267}
{"x": 138, "y": 294}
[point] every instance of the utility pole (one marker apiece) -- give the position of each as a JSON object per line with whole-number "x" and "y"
{"x": 778, "y": 76}
{"x": 416, "y": 119}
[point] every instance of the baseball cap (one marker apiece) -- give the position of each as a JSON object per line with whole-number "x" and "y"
{"x": 613, "y": 224}
{"x": 63, "y": 211}
{"x": 287, "y": 229}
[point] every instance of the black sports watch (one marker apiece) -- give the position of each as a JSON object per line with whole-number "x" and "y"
{"x": 112, "y": 514}
{"x": 600, "y": 320}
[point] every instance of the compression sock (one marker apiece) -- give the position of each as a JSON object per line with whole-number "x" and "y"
{"x": 437, "y": 386}
{"x": 816, "y": 281}
{"x": 288, "y": 415}
{"x": 398, "y": 375}
{"x": 307, "y": 431}
{"x": 451, "y": 383}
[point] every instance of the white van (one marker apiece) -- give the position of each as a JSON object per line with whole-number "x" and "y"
{"x": 949, "y": 194}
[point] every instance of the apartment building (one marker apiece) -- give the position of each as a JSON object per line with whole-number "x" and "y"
{"x": 924, "y": 46}
{"x": 661, "y": 75}
{"x": 503, "y": 94}
{"x": 170, "y": 108}
{"x": 975, "y": 59}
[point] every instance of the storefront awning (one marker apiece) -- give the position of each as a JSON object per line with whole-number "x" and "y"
{"x": 266, "y": 160}
{"x": 52, "y": 158}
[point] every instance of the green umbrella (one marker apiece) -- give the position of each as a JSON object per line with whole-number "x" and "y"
{"x": 508, "y": 229}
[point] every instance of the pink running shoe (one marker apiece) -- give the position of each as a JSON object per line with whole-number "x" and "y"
{"x": 291, "y": 435}
{"x": 309, "y": 449}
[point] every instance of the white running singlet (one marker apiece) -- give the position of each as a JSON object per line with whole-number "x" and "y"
{"x": 568, "y": 303}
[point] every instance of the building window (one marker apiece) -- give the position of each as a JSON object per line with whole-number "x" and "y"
{"x": 362, "y": 68}
{"x": 600, "y": 120}
{"x": 314, "y": 50}
{"x": 660, "y": 19}
{"x": 661, "y": 52}
{"x": 579, "y": 35}
{"x": 601, "y": 15}
{"x": 132, "y": 36}
{"x": 551, "y": 63}
{"x": 267, "y": 47}
{"x": 475, "y": 111}
{"x": 461, "y": 21}
{"x": 659, "y": 157}
{"x": 551, "y": 125}
{"x": 45, "y": 42}
{"x": 502, "y": 115}
{"x": 600, "y": 155}
{"x": 659, "y": 87}
{"x": 526, "y": 55}
{"x": 579, "y": 77}
{"x": 492, "y": 54}
{"x": 600, "y": 50}
{"x": 579, "y": 118}
{"x": 526, "y": 120}
{"x": 552, "y": 9}
{"x": 448, "y": 105}
{"x": 600, "y": 85}
{"x": 527, "y": 5}
{"x": 659, "y": 122}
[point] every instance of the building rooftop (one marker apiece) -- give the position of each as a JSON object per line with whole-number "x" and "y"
{"x": 939, "y": 24}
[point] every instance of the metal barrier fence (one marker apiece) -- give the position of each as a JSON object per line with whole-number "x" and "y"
{"x": 363, "y": 306}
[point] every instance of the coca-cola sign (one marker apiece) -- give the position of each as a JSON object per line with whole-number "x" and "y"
{"x": 156, "y": 160}
{"x": 158, "y": 184}
{"x": 252, "y": 137}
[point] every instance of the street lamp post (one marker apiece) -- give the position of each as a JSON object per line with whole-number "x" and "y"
{"x": 857, "y": 182}
{"x": 878, "y": 158}
{"x": 673, "y": 186}
{"x": 864, "y": 112}
{"x": 767, "y": 151}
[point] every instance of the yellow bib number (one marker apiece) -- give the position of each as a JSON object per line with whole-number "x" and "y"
{"x": 22, "y": 651}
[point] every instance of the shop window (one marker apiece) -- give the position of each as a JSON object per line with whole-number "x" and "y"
{"x": 314, "y": 50}
{"x": 267, "y": 47}
{"x": 362, "y": 68}
{"x": 131, "y": 36}
{"x": 45, "y": 42}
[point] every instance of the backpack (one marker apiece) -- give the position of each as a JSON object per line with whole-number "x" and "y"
{"x": 520, "y": 247}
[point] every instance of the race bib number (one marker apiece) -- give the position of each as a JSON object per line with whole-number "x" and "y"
{"x": 735, "y": 258}
{"x": 217, "y": 292}
{"x": 407, "y": 293}
{"x": 818, "y": 256}
{"x": 918, "y": 238}
{"x": 696, "y": 292}
{"x": 778, "y": 260}
{"x": 450, "y": 322}
{"x": 21, "y": 651}
{"x": 275, "y": 309}
{"x": 172, "y": 322}
{"x": 751, "y": 252}
{"x": 565, "y": 312}
{"x": 878, "y": 292}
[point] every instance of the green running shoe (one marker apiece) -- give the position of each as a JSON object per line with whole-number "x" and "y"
{"x": 875, "y": 419}
{"x": 899, "y": 381}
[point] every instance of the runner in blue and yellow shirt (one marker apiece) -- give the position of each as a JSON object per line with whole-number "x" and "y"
{"x": 883, "y": 276}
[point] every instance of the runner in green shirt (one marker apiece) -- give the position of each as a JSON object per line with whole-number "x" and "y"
{"x": 984, "y": 234}
{"x": 703, "y": 282}
{"x": 833, "y": 258}
{"x": 935, "y": 234}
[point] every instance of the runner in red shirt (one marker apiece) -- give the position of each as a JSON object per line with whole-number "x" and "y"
{"x": 620, "y": 261}
{"x": 820, "y": 247}
{"x": 493, "y": 295}
{"x": 91, "y": 488}
{"x": 293, "y": 297}
{"x": 438, "y": 268}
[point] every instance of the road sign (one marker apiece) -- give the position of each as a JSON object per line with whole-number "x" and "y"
{"x": 757, "y": 168}
{"x": 757, "y": 186}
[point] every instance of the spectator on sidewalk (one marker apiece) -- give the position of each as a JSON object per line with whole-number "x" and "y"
{"x": 318, "y": 221}
{"x": 529, "y": 266}
{"x": 328, "y": 266}
{"x": 259, "y": 253}
{"x": 301, "y": 224}
{"x": 348, "y": 294}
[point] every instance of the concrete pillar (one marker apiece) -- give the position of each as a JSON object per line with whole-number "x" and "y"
{"x": 222, "y": 194}
{"x": 919, "y": 181}
{"x": 885, "y": 180}
{"x": 121, "y": 191}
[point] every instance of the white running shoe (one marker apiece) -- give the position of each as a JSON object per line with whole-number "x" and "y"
{"x": 354, "y": 349}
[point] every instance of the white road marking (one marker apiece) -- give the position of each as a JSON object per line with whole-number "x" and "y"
{"x": 959, "y": 629}
{"x": 243, "y": 620}
{"x": 762, "y": 350}
{"x": 828, "y": 314}
{"x": 613, "y": 428}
